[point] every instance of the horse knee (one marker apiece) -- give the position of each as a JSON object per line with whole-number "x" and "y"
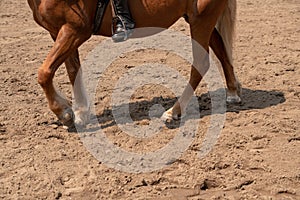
{"x": 44, "y": 77}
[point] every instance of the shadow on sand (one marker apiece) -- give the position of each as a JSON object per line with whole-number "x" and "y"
{"x": 252, "y": 99}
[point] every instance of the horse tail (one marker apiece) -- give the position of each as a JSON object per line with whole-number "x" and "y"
{"x": 226, "y": 26}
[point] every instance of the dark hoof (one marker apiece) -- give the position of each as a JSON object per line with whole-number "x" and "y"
{"x": 68, "y": 118}
{"x": 235, "y": 100}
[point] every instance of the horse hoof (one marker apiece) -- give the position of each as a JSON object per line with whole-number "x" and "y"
{"x": 67, "y": 118}
{"x": 233, "y": 100}
{"x": 170, "y": 116}
{"x": 80, "y": 123}
{"x": 82, "y": 118}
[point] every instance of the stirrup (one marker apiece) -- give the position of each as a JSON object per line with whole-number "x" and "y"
{"x": 127, "y": 32}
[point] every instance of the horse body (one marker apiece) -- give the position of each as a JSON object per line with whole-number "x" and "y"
{"x": 70, "y": 23}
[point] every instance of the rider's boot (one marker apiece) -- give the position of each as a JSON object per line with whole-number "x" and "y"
{"x": 124, "y": 22}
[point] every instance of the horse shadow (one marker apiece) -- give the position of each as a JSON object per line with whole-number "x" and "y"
{"x": 139, "y": 110}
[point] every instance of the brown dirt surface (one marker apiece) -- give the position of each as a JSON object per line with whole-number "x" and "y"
{"x": 257, "y": 155}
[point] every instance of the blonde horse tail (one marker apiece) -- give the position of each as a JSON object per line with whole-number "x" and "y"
{"x": 226, "y": 26}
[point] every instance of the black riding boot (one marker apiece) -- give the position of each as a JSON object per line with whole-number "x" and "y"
{"x": 124, "y": 22}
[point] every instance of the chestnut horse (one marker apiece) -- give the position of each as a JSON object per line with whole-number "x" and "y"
{"x": 70, "y": 23}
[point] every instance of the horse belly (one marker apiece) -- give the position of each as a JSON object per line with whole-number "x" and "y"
{"x": 157, "y": 13}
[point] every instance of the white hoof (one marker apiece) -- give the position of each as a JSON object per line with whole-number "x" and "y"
{"x": 166, "y": 116}
{"x": 169, "y": 115}
{"x": 82, "y": 118}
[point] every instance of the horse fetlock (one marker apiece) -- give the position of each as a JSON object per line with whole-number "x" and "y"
{"x": 239, "y": 89}
{"x": 234, "y": 93}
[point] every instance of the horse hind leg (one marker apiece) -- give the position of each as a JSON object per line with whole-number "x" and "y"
{"x": 202, "y": 24}
{"x": 66, "y": 42}
{"x": 233, "y": 85}
{"x": 81, "y": 103}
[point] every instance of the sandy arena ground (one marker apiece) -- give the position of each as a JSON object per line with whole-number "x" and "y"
{"x": 257, "y": 155}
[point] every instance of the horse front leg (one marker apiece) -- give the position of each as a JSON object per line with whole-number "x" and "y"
{"x": 66, "y": 42}
{"x": 81, "y": 103}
